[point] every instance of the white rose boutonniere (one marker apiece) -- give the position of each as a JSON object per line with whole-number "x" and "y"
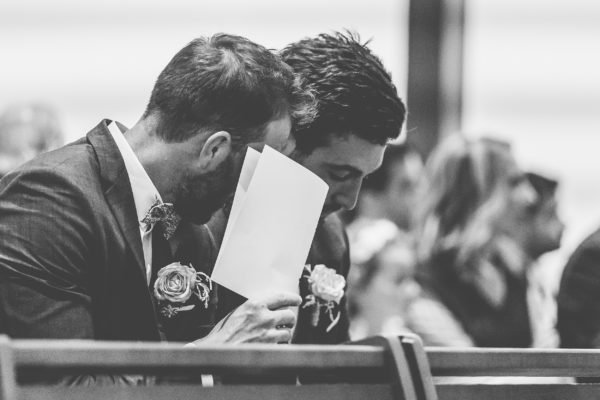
{"x": 327, "y": 289}
{"x": 177, "y": 283}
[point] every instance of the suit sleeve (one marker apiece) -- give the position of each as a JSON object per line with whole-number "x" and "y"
{"x": 44, "y": 253}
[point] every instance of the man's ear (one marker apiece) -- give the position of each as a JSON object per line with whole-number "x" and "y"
{"x": 215, "y": 150}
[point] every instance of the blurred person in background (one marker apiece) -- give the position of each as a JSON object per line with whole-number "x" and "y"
{"x": 539, "y": 233}
{"x": 471, "y": 272}
{"x": 380, "y": 284}
{"x": 544, "y": 233}
{"x": 381, "y": 244}
{"x": 27, "y": 130}
{"x": 390, "y": 192}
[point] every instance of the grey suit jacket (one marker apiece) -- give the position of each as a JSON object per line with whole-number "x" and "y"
{"x": 71, "y": 260}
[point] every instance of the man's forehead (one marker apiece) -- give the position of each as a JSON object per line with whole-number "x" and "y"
{"x": 352, "y": 153}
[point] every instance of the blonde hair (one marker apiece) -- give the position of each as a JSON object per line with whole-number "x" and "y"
{"x": 465, "y": 194}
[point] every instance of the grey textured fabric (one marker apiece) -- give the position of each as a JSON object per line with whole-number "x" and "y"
{"x": 71, "y": 261}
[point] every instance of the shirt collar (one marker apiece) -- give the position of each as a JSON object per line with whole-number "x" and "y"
{"x": 145, "y": 193}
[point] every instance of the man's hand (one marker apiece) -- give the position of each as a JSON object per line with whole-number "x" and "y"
{"x": 266, "y": 320}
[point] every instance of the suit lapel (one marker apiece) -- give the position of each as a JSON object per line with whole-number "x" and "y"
{"x": 118, "y": 189}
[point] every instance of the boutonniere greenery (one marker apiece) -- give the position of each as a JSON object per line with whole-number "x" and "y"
{"x": 327, "y": 289}
{"x": 176, "y": 285}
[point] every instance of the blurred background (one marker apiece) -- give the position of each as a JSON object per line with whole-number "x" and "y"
{"x": 526, "y": 71}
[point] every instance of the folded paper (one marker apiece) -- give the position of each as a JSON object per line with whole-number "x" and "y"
{"x": 273, "y": 219}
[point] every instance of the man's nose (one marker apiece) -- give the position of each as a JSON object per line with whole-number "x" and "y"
{"x": 347, "y": 197}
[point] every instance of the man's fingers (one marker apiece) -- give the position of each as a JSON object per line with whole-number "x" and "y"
{"x": 285, "y": 318}
{"x": 281, "y": 300}
{"x": 279, "y": 335}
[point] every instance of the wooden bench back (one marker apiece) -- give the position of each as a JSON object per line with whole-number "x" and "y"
{"x": 356, "y": 371}
{"x": 503, "y": 365}
{"x": 414, "y": 377}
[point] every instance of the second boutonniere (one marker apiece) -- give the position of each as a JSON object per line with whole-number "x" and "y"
{"x": 327, "y": 289}
{"x": 175, "y": 286}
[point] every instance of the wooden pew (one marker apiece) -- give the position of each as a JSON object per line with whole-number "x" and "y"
{"x": 358, "y": 371}
{"x": 415, "y": 375}
{"x": 503, "y": 364}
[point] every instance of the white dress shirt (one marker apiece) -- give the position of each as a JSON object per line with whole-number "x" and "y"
{"x": 145, "y": 193}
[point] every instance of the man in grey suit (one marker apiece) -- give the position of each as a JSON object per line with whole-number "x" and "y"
{"x": 80, "y": 246}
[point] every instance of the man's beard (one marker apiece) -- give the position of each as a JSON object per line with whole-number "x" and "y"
{"x": 199, "y": 197}
{"x": 228, "y": 205}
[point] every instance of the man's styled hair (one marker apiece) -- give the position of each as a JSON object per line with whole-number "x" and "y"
{"x": 226, "y": 82}
{"x": 354, "y": 91}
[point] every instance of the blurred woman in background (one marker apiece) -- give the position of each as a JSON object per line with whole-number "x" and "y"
{"x": 472, "y": 274}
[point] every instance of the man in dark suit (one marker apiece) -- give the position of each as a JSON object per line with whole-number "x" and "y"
{"x": 358, "y": 112}
{"x": 82, "y": 233}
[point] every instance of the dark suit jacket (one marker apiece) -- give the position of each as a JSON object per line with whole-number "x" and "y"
{"x": 71, "y": 260}
{"x": 329, "y": 247}
{"x": 579, "y": 297}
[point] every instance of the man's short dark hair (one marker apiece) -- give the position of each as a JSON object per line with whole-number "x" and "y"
{"x": 354, "y": 91}
{"x": 226, "y": 82}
